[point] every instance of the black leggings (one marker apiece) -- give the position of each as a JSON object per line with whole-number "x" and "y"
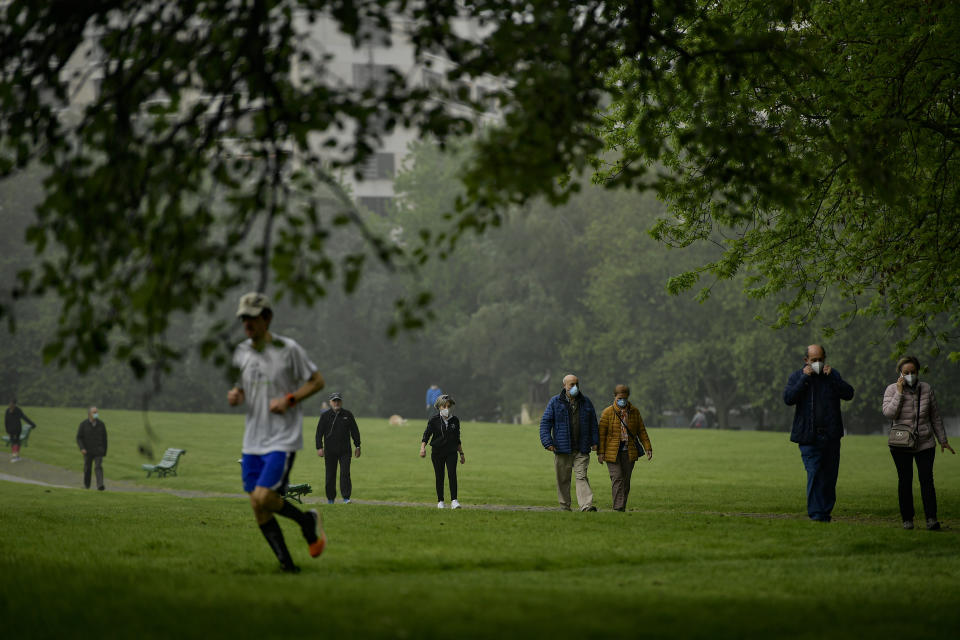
{"x": 450, "y": 461}
{"x": 904, "y": 461}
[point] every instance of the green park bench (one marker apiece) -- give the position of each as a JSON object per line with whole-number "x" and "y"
{"x": 167, "y": 465}
{"x": 295, "y": 491}
{"x": 24, "y": 436}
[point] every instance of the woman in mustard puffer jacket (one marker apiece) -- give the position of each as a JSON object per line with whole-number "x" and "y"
{"x": 618, "y": 424}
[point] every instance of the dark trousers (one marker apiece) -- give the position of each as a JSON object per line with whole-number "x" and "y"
{"x": 346, "y": 487}
{"x": 448, "y": 460}
{"x": 90, "y": 460}
{"x": 822, "y": 462}
{"x": 904, "y": 461}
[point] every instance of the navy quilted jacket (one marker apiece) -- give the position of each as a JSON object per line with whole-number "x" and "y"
{"x": 555, "y": 425}
{"x": 803, "y": 390}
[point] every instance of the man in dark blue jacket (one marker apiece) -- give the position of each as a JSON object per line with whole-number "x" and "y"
{"x": 816, "y": 391}
{"x": 568, "y": 428}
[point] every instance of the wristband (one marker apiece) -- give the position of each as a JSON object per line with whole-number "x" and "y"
{"x": 291, "y": 400}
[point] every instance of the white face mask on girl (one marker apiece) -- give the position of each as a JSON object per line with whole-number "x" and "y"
{"x": 445, "y": 413}
{"x": 910, "y": 378}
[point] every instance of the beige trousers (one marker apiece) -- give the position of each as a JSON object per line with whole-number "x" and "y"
{"x": 565, "y": 463}
{"x": 620, "y": 472}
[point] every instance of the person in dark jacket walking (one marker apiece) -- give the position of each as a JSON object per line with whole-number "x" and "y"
{"x": 443, "y": 436}
{"x": 334, "y": 430}
{"x": 568, "y": 428}
{"x": 12, "y": 422}
{"x": 816, "y": 391}
{"x": 92, "y": 440}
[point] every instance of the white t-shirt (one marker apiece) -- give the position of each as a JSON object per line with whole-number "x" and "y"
{"x": 281, "y": 368}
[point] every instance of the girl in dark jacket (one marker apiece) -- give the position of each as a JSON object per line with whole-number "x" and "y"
{"x": 443, "y": 435}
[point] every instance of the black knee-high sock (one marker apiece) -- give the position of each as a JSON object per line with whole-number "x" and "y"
{"x": 271, "y": 531}
{"x": 305, "y": 520}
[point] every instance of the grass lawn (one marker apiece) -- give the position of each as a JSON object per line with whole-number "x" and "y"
{"x": 687, "y": 561}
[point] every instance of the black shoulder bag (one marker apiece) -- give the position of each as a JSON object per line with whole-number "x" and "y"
{"x": 641, "y": 450}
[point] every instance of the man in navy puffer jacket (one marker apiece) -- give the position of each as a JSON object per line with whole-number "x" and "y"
{"x": 816, "y": 390}
{"x": 568, "y": 428}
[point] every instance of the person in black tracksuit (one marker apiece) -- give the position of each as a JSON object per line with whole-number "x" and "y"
{"x": 334, "y": 431}
{"x": 443, "y": 435}
{"x": 92, "y": 441}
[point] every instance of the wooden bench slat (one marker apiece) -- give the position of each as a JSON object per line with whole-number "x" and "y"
{"x": 167, "y": 465}
{"x": 24, "y": 436}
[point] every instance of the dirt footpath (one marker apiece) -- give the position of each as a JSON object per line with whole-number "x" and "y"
{"x": 33, "y": 472}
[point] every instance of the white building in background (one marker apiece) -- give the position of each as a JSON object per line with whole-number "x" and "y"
{"x": 349, "y": 66}
{"x": 370, "y": 65}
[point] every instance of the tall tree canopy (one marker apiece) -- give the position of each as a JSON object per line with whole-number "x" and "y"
{"x": 833, "y": 171}
{"x": 821, "y": 134}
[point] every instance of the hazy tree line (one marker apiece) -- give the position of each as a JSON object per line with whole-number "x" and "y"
{"x": 580, "y": 287}
{"x": 807, "y": 151}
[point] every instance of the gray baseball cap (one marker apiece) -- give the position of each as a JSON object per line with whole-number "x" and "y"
{"x": 252, "y": 304}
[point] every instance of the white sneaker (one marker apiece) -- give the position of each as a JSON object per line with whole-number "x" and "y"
{"x": 440, "y": 505}
{"x": 455, "y": 505}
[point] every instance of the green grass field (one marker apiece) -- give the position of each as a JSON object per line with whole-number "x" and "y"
{"x": 715, "y": 544}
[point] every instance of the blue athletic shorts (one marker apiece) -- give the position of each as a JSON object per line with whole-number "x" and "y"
{"x": 271, "y": 470}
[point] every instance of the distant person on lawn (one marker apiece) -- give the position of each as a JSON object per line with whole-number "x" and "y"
{"x": 12, "y": 422}
{"x": 619, "y": 423}
{"x": 443, "y": 436}
{"x": 816, "y": 391}
{"x": 433, "y": 392}
{"x": 335, "y": 429}
{"x": 699, "y": 420}
{"x": 92, "y": 440}
{"x": 275, "y": 377}
{"x": 568, "y": 428}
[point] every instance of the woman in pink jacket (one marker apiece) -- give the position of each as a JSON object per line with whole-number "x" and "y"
{"x": 911, "y": 402}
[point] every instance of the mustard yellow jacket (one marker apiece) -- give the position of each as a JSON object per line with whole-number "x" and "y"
{"x": 610, "y": 433}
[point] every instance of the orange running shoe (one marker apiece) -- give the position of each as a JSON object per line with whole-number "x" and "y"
{"x": 318, "y": 545}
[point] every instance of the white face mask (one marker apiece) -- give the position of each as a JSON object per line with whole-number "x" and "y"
{"x": 911, "y": 378}
{"x": 817, "y": 367}
{"x": 574, "y": 391}
{"x": 96, "y": 416}
{"x": 445, "y": 413}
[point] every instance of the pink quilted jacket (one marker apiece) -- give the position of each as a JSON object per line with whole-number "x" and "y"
{"x": 902, "y": 409}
